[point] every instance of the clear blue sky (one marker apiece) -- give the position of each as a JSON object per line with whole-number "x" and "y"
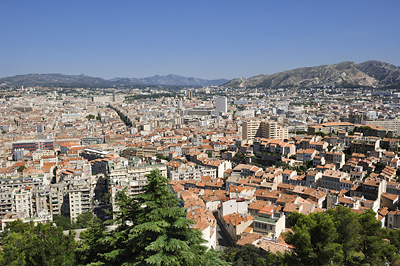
{"x": 205, "y": 39}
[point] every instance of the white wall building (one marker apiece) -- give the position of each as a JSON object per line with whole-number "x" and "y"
{"x": 221, "y": 105}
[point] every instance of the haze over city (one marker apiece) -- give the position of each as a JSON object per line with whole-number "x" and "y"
{"x": 205, "y": 39}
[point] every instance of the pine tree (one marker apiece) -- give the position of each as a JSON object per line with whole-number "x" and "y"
{"x": 92, "y": 244}
{"x": 154, "y": 230}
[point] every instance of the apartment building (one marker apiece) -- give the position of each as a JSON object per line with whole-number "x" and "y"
{"x": 364, "y": 145}
{"x": 272, "y": 130}
{"x": 250, "y": 129}
{"x": 336, "y": 158}
{"x": 270, "y": 224}
{"x": 393, "y": 124}
{"x": 332, "y": 179}
{"x": 264, "y": 129}
{"x": 32, "y": 145}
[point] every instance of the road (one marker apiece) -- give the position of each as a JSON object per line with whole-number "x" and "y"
{"x": 223, "y": 240}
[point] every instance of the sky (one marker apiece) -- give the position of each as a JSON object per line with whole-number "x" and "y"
{"x": 203, "y": 39}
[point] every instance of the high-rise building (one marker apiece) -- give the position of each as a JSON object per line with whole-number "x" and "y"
{"x": 18, "y": 154}
{"x": 180, "y": 105}
{"x": 250, "y": 128}
{"x": 264, "y": 129}
{"x": 221, "y": 105}
{"x": 273, "y": 130}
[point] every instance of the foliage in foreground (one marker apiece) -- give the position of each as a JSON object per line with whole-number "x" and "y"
{"x": 83, "y": 220}
{"x": 335, "y": 237}
{"x": 248, "y": 255}
{"x": 153, "y": 230}
{"x": 341, "y": 237}
{"x": 44, "y": 244}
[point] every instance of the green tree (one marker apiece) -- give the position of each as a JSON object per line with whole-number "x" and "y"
{"x": 250, "y": 255}
{"x": 63, "y": 222}
{"x": 313, "y": 239}
{"x": 93, "y": 244}
{"x": 340, "y": 237}
{"x": 379, "y": 167}
{"x": 42, "y": 244}
{"x": 90, "y": 117}
{"x": 309, "y": 164}
{"x": 376, "y": 250}
{"x": 83, "y": 220}
{"x": 21, "y": 168}
{"x": 347, "y": 227}
{"x": 160, "y": 156}
{"x": 394, "y": 237}
{"x": 153, "y": 230}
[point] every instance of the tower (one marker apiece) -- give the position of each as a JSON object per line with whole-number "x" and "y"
{"x": 221, "y": 105}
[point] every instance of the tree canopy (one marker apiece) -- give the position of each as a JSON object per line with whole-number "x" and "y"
{"x": 153, "y": 230}
{"x": 42, "y": 244}
{"x": 340, "y": 237}
{"x": 83, "y": 220}
{"x": 250, "y": 255}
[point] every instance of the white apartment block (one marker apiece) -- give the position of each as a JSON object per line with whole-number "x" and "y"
{"x": 393, "y": 125}
{"x": 250, "y": 128}
{"x": 264, "y": 129}
{"x": 221, "y": 105}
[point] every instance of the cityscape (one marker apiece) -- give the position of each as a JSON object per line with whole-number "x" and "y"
{"x": 132, "y": 165}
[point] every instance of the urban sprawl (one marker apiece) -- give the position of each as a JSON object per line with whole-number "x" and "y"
{"x": 240, "y": 160}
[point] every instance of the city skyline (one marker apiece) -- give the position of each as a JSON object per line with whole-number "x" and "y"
{"x": 204, "y": 40}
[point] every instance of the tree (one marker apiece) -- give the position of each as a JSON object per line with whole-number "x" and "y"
{"x": 161, "y": 157}
{"x": 376, "y": 250}
{"x": 92, "y": 244}
{"x": 21, "y": 168}
{"x": 347, "y": 227}
{"x": 153, "y": 230}
{"x": 42, "y": 244}
{"x": 90, "y": 117}
{"x": 83, "y": 220}
{"x": 379, "y": 167}
{"x": 319, "y": 133}
{"x": 340, "y": 237}
{"x": 250, "y": 255}
{"x": 63, "y": 222}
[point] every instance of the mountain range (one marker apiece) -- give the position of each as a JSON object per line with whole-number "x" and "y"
{"x": 87, "y": 81}
{"x": 346, "y": 74}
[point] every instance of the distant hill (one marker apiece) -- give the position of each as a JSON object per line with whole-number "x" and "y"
{"x": 53, "y": 80}
{"x": 179, "y": 80}
{"x": 87, "y": 81}
{"x": 170, "y": 80}
{"x": 345, "y": 74}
